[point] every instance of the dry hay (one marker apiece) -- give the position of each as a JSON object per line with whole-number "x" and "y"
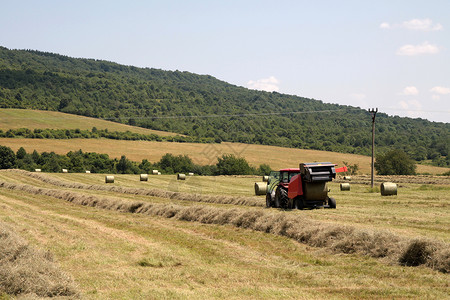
{"x": 345, "y": 186}
{"x": 336, "y": 238}
{"x": 388, "y": 189}
{"x": 109, "y": 179}
{"x": 222, "y": 199}
{"x": 28, "y": 271}
{"x": 418, "y": 179}
{"x": 260, "y": 188}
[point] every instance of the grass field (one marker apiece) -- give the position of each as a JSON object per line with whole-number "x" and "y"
{"x": 276, "y": 157}
{"x": 24, "y": 118}
{"x": 114, "y": 254}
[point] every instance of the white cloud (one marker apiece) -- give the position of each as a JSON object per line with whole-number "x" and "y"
{"x": 440, "y": 90}
{"x": 385, "y": 25}
{"x": 435, "y": 97}
{"x": 421, "y": 24}
{"x": 412, "y": 108}
{"x": 410, "y": 91}
{"x": 412, "y": 50}
{"x": 358, "y": 96}
{"x": 414, "y": 24}
{"x": 266, "y": 84}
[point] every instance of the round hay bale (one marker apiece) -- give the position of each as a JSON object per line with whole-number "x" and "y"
{"x": 345, "y": 186}
{"x": 109, "y": 179}
{"x": 159, "y": 173}
{"x": 65, "y": 171}
{"x": 265, "y": 178}
{"x": 155, "y": 172}
{"x": 388, "y": 189}
{"x": 88, "y": 172}
{"x": 315, "y": 191}
{"x": 348, "y": 178}
{"x": 181, "y": 176}
{"x": 191, "y": 174}
{"x": 37, "y": 170}
{"x": 143, "y": 177}
{"x": 260, "y": 188}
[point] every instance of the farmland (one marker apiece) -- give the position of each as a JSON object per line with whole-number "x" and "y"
{"x": 172, "y": 245}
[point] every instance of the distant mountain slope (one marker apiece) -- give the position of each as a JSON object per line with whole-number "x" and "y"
{"x": 162, "y": 100}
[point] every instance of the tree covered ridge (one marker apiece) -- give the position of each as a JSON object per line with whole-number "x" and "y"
{"x": 162, "y": 100}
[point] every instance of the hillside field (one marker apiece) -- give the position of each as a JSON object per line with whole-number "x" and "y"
{"x": 276, "y": 157}
{"x": 40, "y": 119}
{"x": 172, "y": 246}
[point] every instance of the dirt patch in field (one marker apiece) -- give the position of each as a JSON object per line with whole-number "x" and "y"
{"x": 28, "y": 271}
{"x": 338, "y": 238}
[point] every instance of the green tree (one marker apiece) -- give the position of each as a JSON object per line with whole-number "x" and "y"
{"x": 264, "y": 169}
{"x": 124, "y": 166}
{"x": 52, "y": 165}
{"x": 7, "y": 158}
{"x": 229, "y": 164}
{"x": 21, "y": 153}
{"x": 395, "y": 162}
{"x": 145, "y": 166}
{"x": 176, "y": 164}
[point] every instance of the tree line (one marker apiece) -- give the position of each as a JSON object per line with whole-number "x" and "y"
{"x": 79, "y": 162}
{"x": 95, "y": 133}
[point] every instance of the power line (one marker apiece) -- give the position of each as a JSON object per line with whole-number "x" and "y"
{"x": 244, "y": 114}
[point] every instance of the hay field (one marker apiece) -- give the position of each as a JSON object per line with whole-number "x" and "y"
{"x": 118, "y": 242}
{"x": 11, "y": 118}
{"x": 276, "y": 157}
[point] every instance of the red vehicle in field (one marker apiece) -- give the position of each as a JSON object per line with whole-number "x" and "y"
{"x": 305, "y": 187}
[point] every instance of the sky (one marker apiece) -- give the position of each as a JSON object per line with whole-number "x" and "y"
{"x": 393, "y": 55}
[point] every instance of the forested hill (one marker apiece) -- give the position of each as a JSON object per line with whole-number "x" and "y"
{"x": 203, "y": 106}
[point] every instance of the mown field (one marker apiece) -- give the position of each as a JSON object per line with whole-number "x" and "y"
{"x": 180, "y": 239}
{"x": 276, "y": 157}
{"x": 11, "y": 118}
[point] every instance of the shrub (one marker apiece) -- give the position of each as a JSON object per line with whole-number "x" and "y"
{"x": 395, "y": 162}
{"x": 7, "y": 158}
{"x": 229, "y": 164}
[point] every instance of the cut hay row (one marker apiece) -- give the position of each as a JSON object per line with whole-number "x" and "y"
{"x": 336, "y": 238}
{"x": 418, "y": 179}
{"x": 28, "y": 271}
{"x": 219, "y": 199}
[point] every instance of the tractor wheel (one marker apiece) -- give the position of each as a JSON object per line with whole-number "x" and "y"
{"x": 268, "y": 201}
{"x": 281, "y": 198}
{"x": 332, "y": 202}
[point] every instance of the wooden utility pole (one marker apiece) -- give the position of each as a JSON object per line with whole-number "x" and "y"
{"x": 374, "y": 114}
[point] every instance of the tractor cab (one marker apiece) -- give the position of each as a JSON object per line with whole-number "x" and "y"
{"x": 287, "y": 174}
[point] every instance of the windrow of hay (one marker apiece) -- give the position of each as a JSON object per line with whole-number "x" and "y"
{"x": 335, "y": 237}
{"x": 221, "y": 199}
{"x": 28, "y": 271}
{"x": 418, "y": 179}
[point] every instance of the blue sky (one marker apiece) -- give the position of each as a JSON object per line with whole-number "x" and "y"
{"x": 394, "y": 55}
